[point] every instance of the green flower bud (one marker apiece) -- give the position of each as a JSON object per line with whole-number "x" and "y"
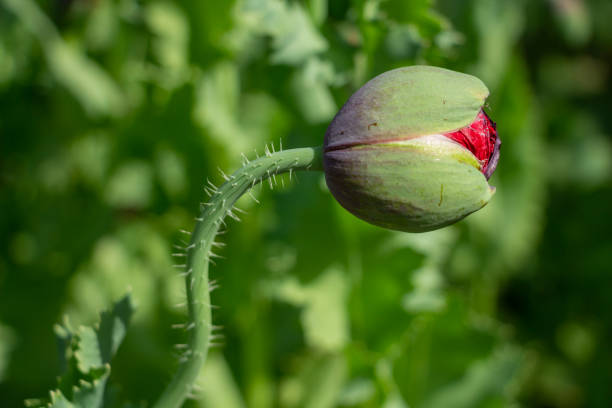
{"x": 412, "y": 149}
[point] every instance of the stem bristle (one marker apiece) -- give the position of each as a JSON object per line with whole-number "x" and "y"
{"x": 208, "y": 224}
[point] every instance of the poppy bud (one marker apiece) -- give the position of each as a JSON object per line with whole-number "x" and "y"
{"x": 412, "y": 149}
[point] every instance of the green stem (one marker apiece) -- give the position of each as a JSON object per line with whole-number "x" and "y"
{"x": 199, "y": 252}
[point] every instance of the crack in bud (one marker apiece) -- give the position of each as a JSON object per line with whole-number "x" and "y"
{"x": 480, "y": 138}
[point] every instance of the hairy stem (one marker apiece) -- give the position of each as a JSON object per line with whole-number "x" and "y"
{"x": 199, "y": 253}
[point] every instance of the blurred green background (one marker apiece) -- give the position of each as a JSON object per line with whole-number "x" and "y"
{"x": 113, "y": 113}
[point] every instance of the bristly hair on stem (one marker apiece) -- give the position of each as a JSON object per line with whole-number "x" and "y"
{"x": 198, "y": 254}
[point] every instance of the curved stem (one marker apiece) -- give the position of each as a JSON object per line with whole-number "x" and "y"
{"x": 199, "y": 253}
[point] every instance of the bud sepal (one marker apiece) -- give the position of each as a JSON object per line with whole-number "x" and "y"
{"x": 412, "y": 149}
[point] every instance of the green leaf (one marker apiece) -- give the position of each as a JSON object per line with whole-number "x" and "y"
{"x": 59, "y": 401}
{"x": 85, "y": 355}
{"x": 97, "y": 346}
{"x": 91, "y": 395}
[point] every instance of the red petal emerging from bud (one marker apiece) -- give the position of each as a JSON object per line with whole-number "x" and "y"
{"x": 480, "y": 137}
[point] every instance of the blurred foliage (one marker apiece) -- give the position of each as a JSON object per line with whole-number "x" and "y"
{"x": 113, "y": 113}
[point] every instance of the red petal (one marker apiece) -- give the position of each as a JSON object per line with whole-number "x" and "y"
{"x": 480, "y": 137}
